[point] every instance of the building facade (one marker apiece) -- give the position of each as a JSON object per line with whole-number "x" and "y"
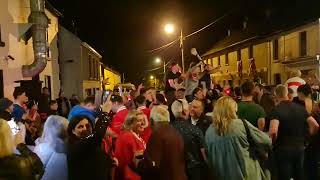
{"x": 16, "y": 50}
{"x": 110, "y": 78}
{"x": 79, "y": 64}
{"x": 270, "y": 57}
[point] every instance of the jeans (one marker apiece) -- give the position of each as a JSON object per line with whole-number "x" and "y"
{"x": 312, "y": 163}
{"x": 290, "y": 164}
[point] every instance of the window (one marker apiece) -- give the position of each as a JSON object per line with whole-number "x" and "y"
{"x": 47, "y": 38}
{"x": 250, "y": 52}
{"x": 303, "y": 43}
{"x": 275, "y": 49}
{"x": 277, "y": 78}
{"x": 239, "y": 55}
{"x": 47, "y": 82}
{"x": 2, "y": 44}
{"x": 209, "y": 61}
{"x": 219, "y": 61}
{"x": 94, "y": 69}
{"x": 227, "y": 60}
{"x": 90, "y": 65}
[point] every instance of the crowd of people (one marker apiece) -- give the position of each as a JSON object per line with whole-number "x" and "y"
{"x": 193, "y": 130}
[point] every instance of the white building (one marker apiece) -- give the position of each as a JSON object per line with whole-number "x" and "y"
{"x": 79, "y": 64}
{"x": 15, "y": 51}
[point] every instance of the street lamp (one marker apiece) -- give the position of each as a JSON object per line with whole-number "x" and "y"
{"x": 151, "y": 77}
{"x": 158, "y": 61}
{"x": 169, "y": 28}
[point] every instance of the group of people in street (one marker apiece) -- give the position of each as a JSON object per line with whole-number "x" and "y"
{"x": 194, "y": 130}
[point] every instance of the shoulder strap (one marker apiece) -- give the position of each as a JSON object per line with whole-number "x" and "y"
{"x": 249, "y": 137}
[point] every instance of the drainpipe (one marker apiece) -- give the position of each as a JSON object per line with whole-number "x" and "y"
{"x": 39, "y": 22}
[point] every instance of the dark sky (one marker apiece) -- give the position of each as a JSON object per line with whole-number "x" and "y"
{"x": 124, "y": 31}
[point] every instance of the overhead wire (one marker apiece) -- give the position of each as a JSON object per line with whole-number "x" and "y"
{"x": 199, "y": 30}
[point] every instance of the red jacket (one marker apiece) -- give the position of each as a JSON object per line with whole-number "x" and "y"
{"x": 126, "y": 146}
{"x": 118, "y": 120}
{"x": 147, "y": 131}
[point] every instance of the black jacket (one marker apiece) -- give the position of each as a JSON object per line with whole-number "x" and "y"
{"x": 203, "y": 123}
{"x": 26, "y": 166}
{"x": 86, "y": 157}
{"x": 43, "y": 105}
{"x": 66, "y": 101}
{"x": 6, "y": 115}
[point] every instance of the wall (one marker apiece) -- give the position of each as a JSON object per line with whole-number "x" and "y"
{"x": 13, "y": 20}
{"x": 114, "y": 79}
{"x": 70, "y": 63}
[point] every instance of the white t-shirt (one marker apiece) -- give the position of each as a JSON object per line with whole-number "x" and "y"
{"x": 294, "y": 83}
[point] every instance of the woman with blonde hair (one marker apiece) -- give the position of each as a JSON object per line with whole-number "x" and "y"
{"x": 130, "y": 145}
{"x": 26, "y": 165}
{"x": 51, "y": 148}
{"x": 227, "y": 145}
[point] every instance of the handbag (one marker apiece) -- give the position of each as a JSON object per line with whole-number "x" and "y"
{"x": 256, "y": 151}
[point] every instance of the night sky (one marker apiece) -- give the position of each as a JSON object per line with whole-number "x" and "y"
{"x": 124, "y": 31}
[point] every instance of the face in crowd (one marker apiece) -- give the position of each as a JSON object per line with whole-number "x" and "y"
{"x": 83, "y": 128}
{"x": 54, "y": 107}
{"x": 138, "y": 125}
{"x": 199, "y": 95}
{"x": 196, "y": 109}
{"x": 23, "y": 98}
{"x": 91, "y": 106}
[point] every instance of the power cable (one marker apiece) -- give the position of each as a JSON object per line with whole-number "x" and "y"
{"x": 199, "y": 30}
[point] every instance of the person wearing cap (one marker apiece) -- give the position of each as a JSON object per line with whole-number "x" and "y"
{"x": 6, "y": 109}
{"x": 121, "y": 113}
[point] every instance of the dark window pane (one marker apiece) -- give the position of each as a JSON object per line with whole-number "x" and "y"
{"x": 275, "y": 49}
{"x": 303, "y": 43}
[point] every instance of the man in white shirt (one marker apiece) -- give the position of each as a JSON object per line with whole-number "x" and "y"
{"x": 295, "y": 81}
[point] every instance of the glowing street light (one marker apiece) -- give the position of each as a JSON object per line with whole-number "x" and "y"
{"x": 157, "y": 60}
{"x": 169, "y": 28}
{"x": 151, "y": 77}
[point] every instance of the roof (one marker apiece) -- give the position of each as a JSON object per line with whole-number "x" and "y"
{"x": 53, "y": 10}
{"x": 260, "y": 32}
{"x": 91, "y": 49}
{"x": 110, "y": 69}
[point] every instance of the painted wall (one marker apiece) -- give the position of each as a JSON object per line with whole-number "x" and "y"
{"x": 13, "y": 16}
{"x": 74, "y": 64}
{"x": 114, "y": 79}
{"x": 70, "y": 63}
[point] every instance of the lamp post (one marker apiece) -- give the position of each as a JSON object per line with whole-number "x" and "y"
{"x": 169, "y": 29}
{"x": 158, "y": 61}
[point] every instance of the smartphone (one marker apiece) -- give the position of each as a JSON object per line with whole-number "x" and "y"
{"x": 14, "y": 126}
{"x": 106, "y": 94}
